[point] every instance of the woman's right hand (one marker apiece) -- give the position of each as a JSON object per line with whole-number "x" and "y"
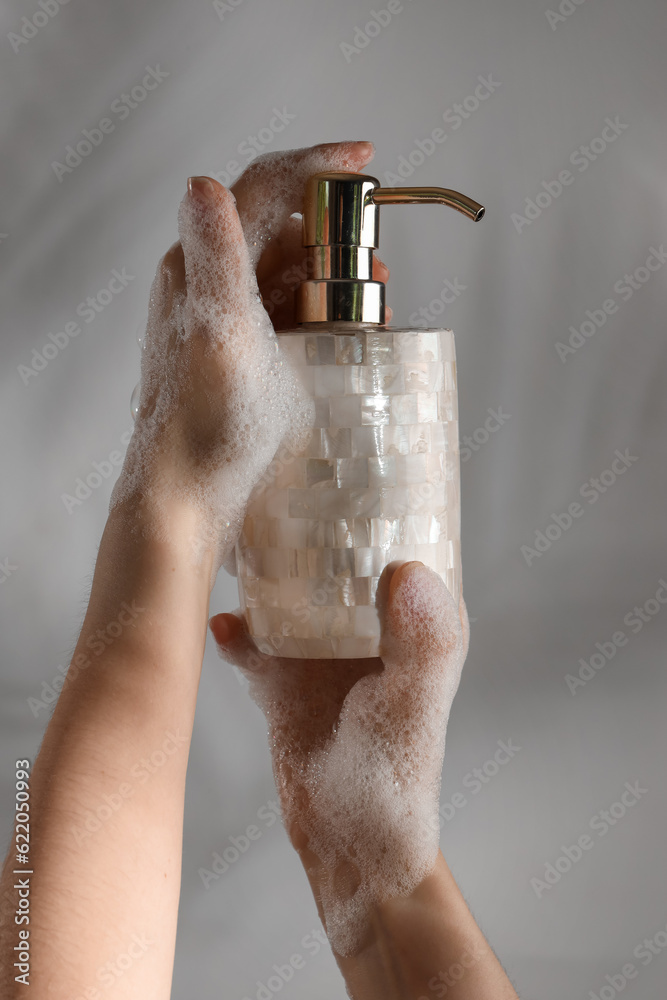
{"x": 358, "y": 747}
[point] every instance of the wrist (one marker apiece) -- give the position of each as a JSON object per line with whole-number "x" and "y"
{"x": 405, "y": 935}
{"x": 421, "y": 946}
{"x": 151, "y": 587}
{"x": 395, "y": 957}
{"x": 166, "y": 520}
{"x": 193, "y": 511}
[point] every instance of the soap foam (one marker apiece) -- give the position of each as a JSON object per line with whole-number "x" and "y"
{"x": 357, "y": 755}
{"x": 278, "y": 181}
{"x": 217, "y": 393}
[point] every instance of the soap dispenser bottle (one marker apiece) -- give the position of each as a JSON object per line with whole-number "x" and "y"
{"x": 379, "y": 479}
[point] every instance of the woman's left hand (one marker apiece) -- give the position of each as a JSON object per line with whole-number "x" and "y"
{"x": 217, "y": 397}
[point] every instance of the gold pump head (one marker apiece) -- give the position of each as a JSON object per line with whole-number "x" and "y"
{"x": 341, "y": 226}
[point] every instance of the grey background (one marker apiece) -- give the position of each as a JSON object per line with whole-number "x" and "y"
{"x": 533, "y": 623}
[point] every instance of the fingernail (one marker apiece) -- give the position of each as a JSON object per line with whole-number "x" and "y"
{"x": 201, "y": 188}
{"x": 364, "y": 144}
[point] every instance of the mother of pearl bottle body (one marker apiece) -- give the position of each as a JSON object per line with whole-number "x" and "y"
{"x": 378, "y": 482}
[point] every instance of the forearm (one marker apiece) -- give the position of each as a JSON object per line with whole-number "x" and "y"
{"x": 107, "y": 788}
{"x": 424, "y": 947}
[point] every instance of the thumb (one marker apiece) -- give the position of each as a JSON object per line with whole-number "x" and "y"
{"x": 422, "y": 649}
{"x": 423, "y": 644}
{"x": 419, "y": 618}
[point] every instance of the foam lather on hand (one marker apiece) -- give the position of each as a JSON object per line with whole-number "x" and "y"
{"x": 218, "y": 397}
{"x": 358, "y": 746}
{"x": 271, "y": 189}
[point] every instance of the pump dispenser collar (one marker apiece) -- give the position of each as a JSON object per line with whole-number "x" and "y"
{"x": 341, "y": 227}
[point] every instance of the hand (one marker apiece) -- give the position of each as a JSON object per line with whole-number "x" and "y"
{"x": 358, "y": 746}
{"x": 217, "y": 396}
{"x": 132, "y": 684}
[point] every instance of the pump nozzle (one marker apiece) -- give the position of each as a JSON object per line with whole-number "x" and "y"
{"x": 430, "y": 196}
{"x": 341, "y": 225}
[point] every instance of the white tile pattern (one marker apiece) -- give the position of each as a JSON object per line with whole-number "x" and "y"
{"x": 378, "y": 481}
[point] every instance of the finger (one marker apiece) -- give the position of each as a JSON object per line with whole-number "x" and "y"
{"x": 382, "y": 593}
{"x": 403, "y": 711}
{"x": 380, "y": 270}
{"x": 420, "y": 621}
{"x": 283, "y": 253}
{"x": 172, "y": 267}
{"x": 235, "y": 645}
{"x": 290, "y": 268}
{"x": 218, "y": 271}
{"x": 283, "y": 266}
{"x": 272, "y": 187}
{"x": 422, "y": 650}
{"x": 161, "y": 333}
{"x": 226, "y": 629}
{"x": 169, "y": 281}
